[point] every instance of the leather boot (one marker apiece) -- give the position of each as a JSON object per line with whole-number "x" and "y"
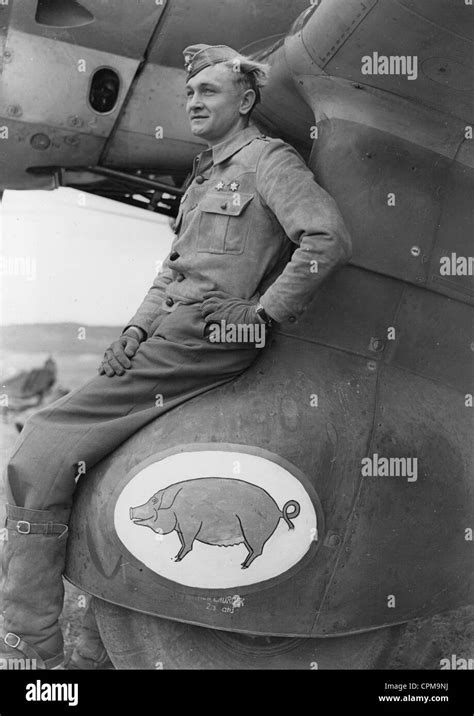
{"x": 33, "y": 591}
{"x": 90, "y": 654}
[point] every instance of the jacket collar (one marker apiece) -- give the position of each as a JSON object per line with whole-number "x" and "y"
{"x": 225, "y": 149}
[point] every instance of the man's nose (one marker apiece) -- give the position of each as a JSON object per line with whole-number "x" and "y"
{"x": 194, "y": 103}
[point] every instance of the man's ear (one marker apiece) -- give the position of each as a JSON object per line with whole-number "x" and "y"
{"x": 247, "y": 101}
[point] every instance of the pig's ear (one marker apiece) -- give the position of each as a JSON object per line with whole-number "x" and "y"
{"x": 167, "y": 496}
{"x": 159, "y": 499}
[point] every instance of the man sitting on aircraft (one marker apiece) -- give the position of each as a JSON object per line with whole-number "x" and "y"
{"x": 249, "y": 201}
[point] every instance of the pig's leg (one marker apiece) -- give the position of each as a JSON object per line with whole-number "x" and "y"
{"x": 255, "y": 538}
{"x": 186, "y": 537}
{"x": 246, "y": 561}
{"x": 253, "y": 554}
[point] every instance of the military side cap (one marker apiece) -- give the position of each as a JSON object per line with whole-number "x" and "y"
{"x": 198, "y": 57}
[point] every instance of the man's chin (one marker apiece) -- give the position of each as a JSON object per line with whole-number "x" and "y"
{"x": 198, "y": 127}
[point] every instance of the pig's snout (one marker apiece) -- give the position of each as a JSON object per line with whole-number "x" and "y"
{"x": 143, "y": 512}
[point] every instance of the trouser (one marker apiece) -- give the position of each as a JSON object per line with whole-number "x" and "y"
{"x": 65, "y": 440}
{"x": 89, "y": 652}
{"x": 69, "y": 437}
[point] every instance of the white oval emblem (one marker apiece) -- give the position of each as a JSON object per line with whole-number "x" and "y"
{"x": 216, "y": 518}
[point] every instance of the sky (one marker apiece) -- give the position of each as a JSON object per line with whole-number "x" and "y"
{"x": 69, "y": 256}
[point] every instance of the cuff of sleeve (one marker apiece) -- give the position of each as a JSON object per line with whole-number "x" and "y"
{"x": 136, "y": 325}
{"x": 275, "y": 314}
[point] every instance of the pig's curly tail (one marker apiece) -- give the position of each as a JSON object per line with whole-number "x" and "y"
{"x": 295, "y": 511}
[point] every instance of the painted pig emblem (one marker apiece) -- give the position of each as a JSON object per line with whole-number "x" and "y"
{"x": 216, "y": 511}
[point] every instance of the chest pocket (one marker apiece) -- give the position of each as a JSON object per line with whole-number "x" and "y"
{"x": 223, "y": 223}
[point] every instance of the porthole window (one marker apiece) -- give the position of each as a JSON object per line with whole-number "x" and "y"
{"x": 104, "y": 90}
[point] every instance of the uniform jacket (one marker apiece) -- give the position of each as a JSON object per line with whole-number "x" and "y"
{"x": 254, "y": 223}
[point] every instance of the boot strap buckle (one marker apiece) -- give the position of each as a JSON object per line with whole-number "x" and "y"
{"x": 23, "y": 530}
{"x": 15, "y": 637}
